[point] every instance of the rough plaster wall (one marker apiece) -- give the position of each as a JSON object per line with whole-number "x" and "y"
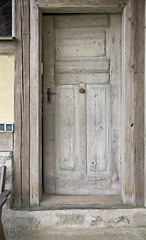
{"x": 6, "y": 89}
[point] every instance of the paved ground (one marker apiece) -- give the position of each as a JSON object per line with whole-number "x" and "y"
{"x": 110, "y": 224}
{"x": 77, "y": 234}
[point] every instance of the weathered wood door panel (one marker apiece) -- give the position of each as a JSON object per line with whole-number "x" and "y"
{"x": 82, "y": 120}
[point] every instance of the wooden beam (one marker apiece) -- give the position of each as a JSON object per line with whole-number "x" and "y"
{"x": 21, "y": 106}
{"x": 7, "y": 47}
{"x": 82, "y": 6}
{"x": 139, "y": 101}
{"x": 134, "y": 102}
{"x": 99, "y": 4}
{"x": 145, "y": 116}
{"x": 128, "y": 120}
{"x": 35, "y": 113}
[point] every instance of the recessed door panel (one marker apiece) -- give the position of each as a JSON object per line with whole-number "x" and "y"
{"x": 97, "y": 129}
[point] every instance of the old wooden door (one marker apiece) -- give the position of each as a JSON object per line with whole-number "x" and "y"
{"x": 82, "y": 104}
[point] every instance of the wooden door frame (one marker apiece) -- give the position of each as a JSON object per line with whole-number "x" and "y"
{"x": 132, "y": 105}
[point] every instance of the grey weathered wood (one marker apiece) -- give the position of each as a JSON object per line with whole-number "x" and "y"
{"x": 48, "y": 119}
{"x": 145, "y": 122}
{"x": 94, "y": 65}
{"x": 128, "y": 103}
{"x": 21, "y": 106}
{"x": 128, "y": 153}
{"x": 75, "y": 42}
{"x": 139, "y": 101}
{"x": 114, "y": 51}
{"x": 7, "y": 47}
{"x": 65, "y": 129}
{"x": 35, "y": 106}
{"x": 25, "y": 105}
{"x": 75, "y": 171}
{"x": 81, "y": 134}
{"x": 101, "y": 6}
{"x": 65, "y": 78}
{"x": 82, "y": 20}
{"x": 6, "y": 142}
{"x": 97, "y": 129}
{"x": 78, "y": 71}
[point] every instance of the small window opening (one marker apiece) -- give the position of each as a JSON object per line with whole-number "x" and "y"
{"x": 5, "y": 18}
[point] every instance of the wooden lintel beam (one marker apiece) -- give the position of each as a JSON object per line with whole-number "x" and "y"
{"x": 97, "y": 5}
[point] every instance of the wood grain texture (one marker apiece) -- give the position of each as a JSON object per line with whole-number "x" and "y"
{"x": 133, "y": 92}
{"x": 83, "y": 21}
{"x": 49, "y": 167}
{"x": 21, "y": 111}
{"x": 79, "y": 149}
{"x": 65, "y": 129}
{"x": 139, "y": 101}
{"x": 97, "y": 5}
{"x": 35, "y": 106}
{"x": 97, "y": 129}
{"x": 81, "y": 134}
{"x": 128, "y": 103}
{"x": 145, "y": 119}
{"x": 114, "y": 51}
{"x": 75, "y": 42}
{"x": 7, "y": 47}
{"x": 91, "y": 70}
{"x": 6, "y": 142}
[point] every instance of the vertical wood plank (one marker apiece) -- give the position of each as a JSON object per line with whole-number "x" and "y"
{"x": 145, "y": 113}
{"x": 34, "y": 106}
{"x": 21, "y": 111}
{"x": 25, "y": 103}
{"x": 134, "y": 102}
{"x": 115, "y": 96}
{"x": 99, "y": 5}
{"x": 81, "y": 123}
{"x": 128, "y": 120}
{"x": 65, "y": 129}
{"x": 49, "y": 165}
{"x": 97, "y": 124}
{"x": 139, "y": 102}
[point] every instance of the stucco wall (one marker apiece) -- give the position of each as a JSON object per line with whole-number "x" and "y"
{"x": 6, "y": 89}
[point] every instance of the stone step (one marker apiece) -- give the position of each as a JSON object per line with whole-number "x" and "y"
{"x": 76, "y": 224}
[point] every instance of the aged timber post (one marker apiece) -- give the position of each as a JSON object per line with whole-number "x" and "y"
{"x": 22, "y": 105}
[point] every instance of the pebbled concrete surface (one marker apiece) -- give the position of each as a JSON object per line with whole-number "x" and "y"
{"x": 76, "y": 234}
{"x": 124, "y": 224}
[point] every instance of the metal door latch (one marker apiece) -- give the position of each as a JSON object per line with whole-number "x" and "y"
{"x": 49, "y": 93}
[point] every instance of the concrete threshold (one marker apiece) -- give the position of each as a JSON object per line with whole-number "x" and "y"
{"x": 75, "y": 224}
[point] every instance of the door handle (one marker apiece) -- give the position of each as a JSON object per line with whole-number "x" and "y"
{"x": 49, "y": 93}
{"x": 81, "y": 90}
